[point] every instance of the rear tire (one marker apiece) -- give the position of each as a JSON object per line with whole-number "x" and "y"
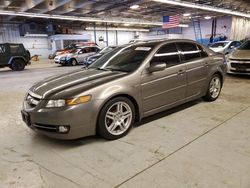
{"x": 116, "y": 118}
{"x": 214, "y": 88}
{"x": 17, "y": 65}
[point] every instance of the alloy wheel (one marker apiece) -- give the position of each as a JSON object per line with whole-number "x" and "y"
{"x": 118, "y": 118}
{"x": 215, "y": 87}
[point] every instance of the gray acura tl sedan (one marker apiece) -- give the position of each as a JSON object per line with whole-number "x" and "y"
{"x": 129, "y": 83}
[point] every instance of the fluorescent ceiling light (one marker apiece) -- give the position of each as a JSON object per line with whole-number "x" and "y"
{"x": 204, "y": 7}
{"x": 207, "y": 17}
{"x": 35, "y": 35}
{"x": 116, "y": 29}
{"x": 75, "y": 18}
{"x": 186, "y": 14}
{"x": 126, "y": 24}
{"x": 134, "y": 7}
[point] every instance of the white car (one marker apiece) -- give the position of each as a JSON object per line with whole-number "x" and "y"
{"x": 239, "y": 61}
{"x": 76, "y": 56}
{"x": 225, "y": 47}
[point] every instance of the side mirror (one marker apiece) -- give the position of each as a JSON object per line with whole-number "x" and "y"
{"x": 157, "y": 66}
{"x": 232, "y": 47}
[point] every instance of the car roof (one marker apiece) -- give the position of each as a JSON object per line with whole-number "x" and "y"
{"x": 161, "y": 41}
{"x": 81, "y": 47}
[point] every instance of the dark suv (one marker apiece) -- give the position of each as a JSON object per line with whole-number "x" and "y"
{"x": 14, "y": 56}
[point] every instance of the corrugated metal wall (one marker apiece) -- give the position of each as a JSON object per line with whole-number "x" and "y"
{"x": 36, "y": 45}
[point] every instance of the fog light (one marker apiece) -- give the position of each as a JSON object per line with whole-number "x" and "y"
{"x": 63, "y": 129}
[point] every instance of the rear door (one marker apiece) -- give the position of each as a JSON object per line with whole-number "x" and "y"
{"x": 164, "y": 88}
{"x": 196, "y": 61}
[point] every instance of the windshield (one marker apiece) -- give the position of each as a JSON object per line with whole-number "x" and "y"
{"x": 245, "y": 46}
{"x": 125, "y": 59}
{"x": 74, "y": 51}
{"x": 219, "y": 45}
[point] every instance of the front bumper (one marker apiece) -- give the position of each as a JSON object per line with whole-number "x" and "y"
{"x": 62, "y": 62}
{"x": 80, "y": 119}
{"x": 238, "y": 67}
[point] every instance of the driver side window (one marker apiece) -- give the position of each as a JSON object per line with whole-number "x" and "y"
{"x": 167, "y": 54}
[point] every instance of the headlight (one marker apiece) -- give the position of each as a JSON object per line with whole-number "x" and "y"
{"x": 63, "y": 58}
{"x": 55, "y": 103}
{"x": 68, "y": 102}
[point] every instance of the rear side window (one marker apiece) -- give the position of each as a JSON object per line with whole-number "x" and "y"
{"x": 189, "y": 51}
{"x": 95, "y": 49}
{"x": 16, "y": 49}
{"x": 203, "y": 53}
{"x": 168, "y": 54}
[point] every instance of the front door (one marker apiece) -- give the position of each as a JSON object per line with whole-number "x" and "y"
{"x": 164, "y": 88}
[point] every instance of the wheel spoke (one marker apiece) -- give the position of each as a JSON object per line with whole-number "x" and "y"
{"x": 112, "y": 127}
{"x": 122, "y": 125}
{"x": 119, "y": 107}
{"x": 126, "y": 114}
{"x": 110, "y": 115}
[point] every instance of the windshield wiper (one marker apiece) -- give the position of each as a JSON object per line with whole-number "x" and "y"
{"x": 98, "y": 68}
{"x": 119, "y": 70}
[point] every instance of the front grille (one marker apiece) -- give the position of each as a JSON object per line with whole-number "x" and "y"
{"x": 43, "y": 127}
{"x": 240, "y": 71}
{"x": 240, "y": 60}
{"x": 32, "y": 99}
{"x": 240, "y": 65}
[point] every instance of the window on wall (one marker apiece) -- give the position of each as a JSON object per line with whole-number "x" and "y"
{"x": 189, "y": 51}
{"x": 167, "y": 54}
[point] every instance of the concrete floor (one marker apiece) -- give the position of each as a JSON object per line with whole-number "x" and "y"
{"x": 199, "y": 144}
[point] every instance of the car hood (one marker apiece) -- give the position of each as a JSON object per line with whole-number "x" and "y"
{"x": 240, "y": 54}
{"x": 75, "y": 82}
{"x": 64, "y": 55}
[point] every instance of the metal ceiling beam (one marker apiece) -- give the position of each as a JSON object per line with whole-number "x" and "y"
{"x": 81, "y": 19}
{"x": 204, "y": 7}
{"x": 52, "y": 5}
{"x": 27, "y": 5}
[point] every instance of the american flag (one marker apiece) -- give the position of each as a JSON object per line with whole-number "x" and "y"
{"x": 171, "y": 21}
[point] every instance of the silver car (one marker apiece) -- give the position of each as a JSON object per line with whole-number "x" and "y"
{"x": 131, "y": 82}
{"x": 76, "y": 56}
{"x": 225, "y": 47}
{"x": 239, "y": 60}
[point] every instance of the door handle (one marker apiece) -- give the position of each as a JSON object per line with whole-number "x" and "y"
{"x": 180, "y": 71}
{"x": 206, "y": 64}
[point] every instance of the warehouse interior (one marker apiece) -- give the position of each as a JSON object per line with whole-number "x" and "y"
{"x": 196, "y": 144}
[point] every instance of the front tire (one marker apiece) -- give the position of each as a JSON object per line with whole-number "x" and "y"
{"x": 17, "y": 65}
{"x": 116, "y": 118}
{"x": 73, "y": 62}
{"x": 214, "y": 88}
